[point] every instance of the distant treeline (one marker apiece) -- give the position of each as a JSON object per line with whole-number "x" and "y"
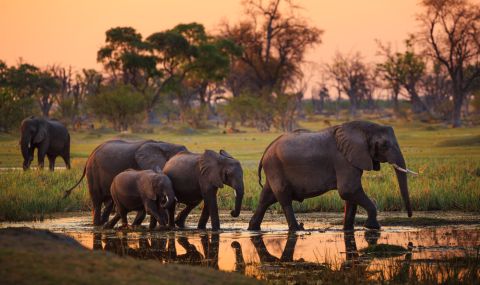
{"x": 254, "y": 72}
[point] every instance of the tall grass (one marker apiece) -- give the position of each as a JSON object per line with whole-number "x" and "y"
{"x": 449, "y": 173}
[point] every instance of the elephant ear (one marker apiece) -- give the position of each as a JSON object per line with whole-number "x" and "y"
{"x": 41, "y": 133}
{"x": 210, "y": 168}
{"x": 151, "y": 155}
{"x": 226, "y": 154}
{"x": 352, "y": 143}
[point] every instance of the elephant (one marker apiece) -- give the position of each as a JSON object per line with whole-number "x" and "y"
{"x": 144, "y": 191}
{"x": 305, "y": 164}
{"x": 114, "y": 156}
{"x": 50, "y": 137}
{"x": 197, "y": 177}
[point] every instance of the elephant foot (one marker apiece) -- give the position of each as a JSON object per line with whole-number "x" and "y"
{"x": 348, "y": 228}
{"x": 202, "y": 227}
{"x": 298, "y": 227}
{"x": 164, "y": 228}
{"x": 180, "y": 224}
{"x": 372, "y": 224}
{"x": 252, "y": 226}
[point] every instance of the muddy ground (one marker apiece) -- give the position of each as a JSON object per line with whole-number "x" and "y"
{"x": 430, "y": 247}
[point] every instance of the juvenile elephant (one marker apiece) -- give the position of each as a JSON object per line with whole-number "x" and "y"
{"x": 115, "y": 156}
{"x": 50, "y": 137}
{"x": 144, "y": 191}
{"x": 197, "y": 177}
{"x": 302, "y": 165}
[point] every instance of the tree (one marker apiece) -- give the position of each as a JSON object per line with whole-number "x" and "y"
{"x": 403, "y": 70}
{"x": 274, "y": 42}
{"x": 351, "y": 75}
{"x": 120, "y": 105}
{"x": 451, "y": 33}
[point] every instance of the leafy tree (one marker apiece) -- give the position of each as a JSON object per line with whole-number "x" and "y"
{"x": 404, "y": 70}
{"x": 13, "y": 109}
{"x": 451, "y": 35}
{"x": 120, "y": 105}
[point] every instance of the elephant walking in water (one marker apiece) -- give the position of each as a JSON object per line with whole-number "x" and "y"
{"x": 302, "y": 165}
{"x": 115, "y": 156}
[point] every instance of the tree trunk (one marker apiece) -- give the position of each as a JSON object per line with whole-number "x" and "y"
{"x": 457, "y": 108}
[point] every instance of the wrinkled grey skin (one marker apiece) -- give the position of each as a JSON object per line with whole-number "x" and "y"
{"x": 144, "y": 191}
{"x": 49, "y": 137}
{"x": 302, "y": 165}
{"x": 197, "y": 177}
{"x": 115, "y": 156}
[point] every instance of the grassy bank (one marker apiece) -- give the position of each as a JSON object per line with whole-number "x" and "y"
{"x": 448, "y": 161}
{"x": 41, "y": 257}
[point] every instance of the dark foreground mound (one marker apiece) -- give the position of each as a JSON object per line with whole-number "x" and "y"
{"x": 29, "y": 256}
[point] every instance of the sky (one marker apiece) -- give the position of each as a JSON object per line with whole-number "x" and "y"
{"x": 69, "y": 33}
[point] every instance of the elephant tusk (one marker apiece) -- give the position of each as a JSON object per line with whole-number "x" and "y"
{"x": 235, "y": 193}
{"x": 403, "y": 170}
{"x": 176, "y": 200}
{"x": 166, "y": 197}
{"x": 29, "y": 145}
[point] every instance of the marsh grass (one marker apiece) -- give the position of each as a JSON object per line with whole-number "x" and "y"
{"x": 449, "y": 172}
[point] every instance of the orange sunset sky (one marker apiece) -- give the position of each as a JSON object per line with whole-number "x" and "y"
{"x": 45, "y": 32}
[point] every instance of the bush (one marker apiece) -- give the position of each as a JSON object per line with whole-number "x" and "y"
{"x": 121, "y": 105}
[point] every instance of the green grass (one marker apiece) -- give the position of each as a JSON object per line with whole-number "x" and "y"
{"x": 449, "y": 172}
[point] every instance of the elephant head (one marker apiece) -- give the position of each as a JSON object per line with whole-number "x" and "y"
{"x": 159, "y": 186}
{"x": 33, "y": 131}
{"x": 153, "y": 154}
{"x": 218, "y": 169}
{"x": 365, "y": 145}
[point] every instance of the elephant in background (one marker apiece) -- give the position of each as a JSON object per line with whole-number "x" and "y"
{"x": 144, "y": 191}
{"x": 111, "y": 158}
{"x": 302, "y": 165}
{"x": 49, "y": 137}
{"x": 197, "y": 177}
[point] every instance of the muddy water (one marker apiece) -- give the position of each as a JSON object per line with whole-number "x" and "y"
{"x": 401, "y": 253}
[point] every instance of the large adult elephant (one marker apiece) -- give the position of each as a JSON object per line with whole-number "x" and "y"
{"x": 302, "y": 165}
{"x": 115, "y": 156}
{"x": 49, "y": 137}
{"x": 196, "y": 177}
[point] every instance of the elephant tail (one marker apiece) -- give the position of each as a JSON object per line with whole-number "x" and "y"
{"x": 260, "y": 164}
{"x": 67, "y": 193}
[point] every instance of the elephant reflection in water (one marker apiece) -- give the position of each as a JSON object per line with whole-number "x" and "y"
{"x": 359, "y": 262}
{"x": 162, "y": 248}
{"x": 354, "y": 260}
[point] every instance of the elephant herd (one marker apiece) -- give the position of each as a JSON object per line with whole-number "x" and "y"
{"x": 153, "y": 176}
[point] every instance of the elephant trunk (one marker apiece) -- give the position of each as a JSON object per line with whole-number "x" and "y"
{"x": 399, "y": 164}
{"x": 238, "y": 200}
{"x": 25, "y": 146}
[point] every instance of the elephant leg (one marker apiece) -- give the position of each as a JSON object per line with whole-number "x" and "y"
{"x": 362, "y": 199}
{"x": 349, "y": 218}
{"x": 110, "y": 224}
{"x": 213, "y": 209}
{"x": 107, "y": 210}
{"x": 51, "y": 162}
{"x": 41, "y": 157}
{"x": 153, "y": 223}
{"x": 139, "y": 217}
{"x": 182, "y": 216}
{"x": 293, "y": 225}
{"x": 202, "y": 222}
{"x": 123, "y": 215}
{"x": 266, "y": 200}
{"x": 97, "y": 210}
{"x": 66, "y": 159}
{"x": 171, "y": 215}
{"x": 152, "y": 210}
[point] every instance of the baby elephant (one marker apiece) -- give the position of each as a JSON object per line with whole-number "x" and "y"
{"x": 144, "y": 191}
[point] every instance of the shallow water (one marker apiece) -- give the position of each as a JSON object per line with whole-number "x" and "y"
{"x": 398, "y": 253}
